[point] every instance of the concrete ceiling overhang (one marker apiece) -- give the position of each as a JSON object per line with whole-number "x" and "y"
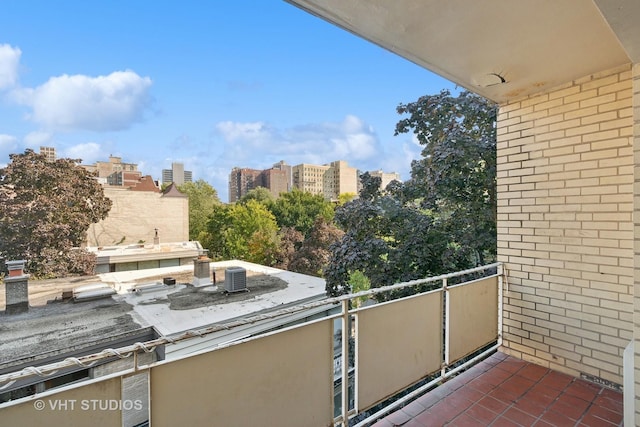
{"x": 501, "y": 49}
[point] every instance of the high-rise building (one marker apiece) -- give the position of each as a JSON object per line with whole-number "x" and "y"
{"x": 176, "y": 174}
{"x": 310, "y": 178}
{"x": 49, "y": 153}
{"x": 274, "y": 180}
{"x": 329, "y": 180}
{"x": 241, "y": 180}
{"x": 281, "y": 165}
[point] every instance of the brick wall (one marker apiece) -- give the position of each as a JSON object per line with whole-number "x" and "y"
{"x": 636, "y": 149}
{"x": 565, "y": 227}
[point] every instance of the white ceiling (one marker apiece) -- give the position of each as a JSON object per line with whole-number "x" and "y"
{"x": 533, "y": 45}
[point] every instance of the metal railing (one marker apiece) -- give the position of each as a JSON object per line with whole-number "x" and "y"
{"x": 385, "y": 348}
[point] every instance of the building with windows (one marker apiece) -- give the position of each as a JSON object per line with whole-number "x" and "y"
{"x": 276, "y": 179}
{"x": 49, "y": 153}
{"x": 385, "y": 177}
{"x": 241, "y": 181}
{"x": 176, "y": 174}
{"x": 310, "y": 178}
{"x": 115, "y": 172}
{"x": 329, "y": 180}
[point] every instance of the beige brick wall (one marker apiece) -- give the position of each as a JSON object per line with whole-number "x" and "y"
{"x": 636, "y": 196}
{"x": 135, "y": 214}
{"x": 565, "y": 226}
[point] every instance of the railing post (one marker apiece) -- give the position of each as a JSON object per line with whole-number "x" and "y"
{"x": 445, "y": 295}
{"x": 500, "y": 272}
{"x": 345, "y": 362}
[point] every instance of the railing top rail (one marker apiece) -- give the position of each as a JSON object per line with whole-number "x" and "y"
{"x": 6, "y": 380}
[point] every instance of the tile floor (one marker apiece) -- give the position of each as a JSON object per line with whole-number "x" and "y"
{"x": 506, "y": 391}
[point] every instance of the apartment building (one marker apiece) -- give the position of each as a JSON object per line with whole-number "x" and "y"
{"x": 241, "y": 181}
{"x": 115, "y": 172}
{"x": 310, "y": 178}
{"x": 176, "y": 174}
{"x": 49, "y": 153}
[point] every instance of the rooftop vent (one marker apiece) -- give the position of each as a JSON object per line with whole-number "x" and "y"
{"x": 148, "y": 287}
{"x": 235, "y": 280}
{"x": 91, "y": 292}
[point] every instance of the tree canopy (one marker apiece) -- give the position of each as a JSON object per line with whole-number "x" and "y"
{"x": 203, "y": 199}
{"x": 46, "y": 208}
{"x": 299, "y": 210}
{"x": 242, "y": 231}
{"x": 259, "y": 194}
{"x": 440, "y": 220}
{"x": 456, "y": 176}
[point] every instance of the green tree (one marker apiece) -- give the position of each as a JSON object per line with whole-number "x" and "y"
{"x": 346, "y": 197}
{"x": 242, "y": 231}
{"x": 203, "y": 200}
{"x": 443, "y": 218}
{"x": 45, "y": 211}
{"x": 314, "y": 253}
{"x": 259, "y": 194}
{"x": 456, "y": 176}
{"x": 289, "y": 242}
{"x": 299, "y": 210}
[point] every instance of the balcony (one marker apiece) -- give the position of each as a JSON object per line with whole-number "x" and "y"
{"x": 422, "y": 335}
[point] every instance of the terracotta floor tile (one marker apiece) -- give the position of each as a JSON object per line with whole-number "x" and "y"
{"x": 556, "y": 419}
{"x": 609, "y": 403}
{"x": 519, "y": 417}
{"x": 543, "y": 394}
{"x": 556, "y": 380}
{"x": 428, "y": 400}
{"x": 481, "y": 414}
{"x": 414, "y": 423}
{"x": 398, "y": 417}
{"x": 470, "y": 393}
{"x": 591, "y": 421}
{"x": 424, "y": 418}
{"x": 504, "y": 422}
{"x": 444, "y": 411}
{"x": 533, "y": 372}
{"x": 464, "y": 420}
{"x": 571, "y": 406}
{"x": 382, "y": 423}
{"x": 605, "y": 414}
{"x": 511, "y": 364}
{"x": 493, "y": 405}
{"x": 413, "y": 408}
{"x": 583, "y": 389}
{"x": 461, "y": 380}
{"x": 517, "y": 385}
{"x": 503, "y": 395}
{"x": 482, "y": 385}
{"x": 541, "y": 423}
{"x": 512, "y": 392}
{"x": 530, "y": 406}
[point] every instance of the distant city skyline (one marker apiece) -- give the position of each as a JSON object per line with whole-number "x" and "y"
{"x": 209, "y": 85}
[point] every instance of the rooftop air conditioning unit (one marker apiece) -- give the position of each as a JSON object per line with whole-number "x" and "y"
{"x": 235, "y": 279}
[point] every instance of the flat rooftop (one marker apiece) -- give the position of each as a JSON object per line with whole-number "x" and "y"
{"x": 55, "y": 326}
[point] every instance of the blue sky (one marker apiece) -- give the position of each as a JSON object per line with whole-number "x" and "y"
{"x": 210, "y": 84}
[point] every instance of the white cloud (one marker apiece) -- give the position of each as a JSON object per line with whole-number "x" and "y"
{"x": 103, "y": 103}
{"x": 9, "y": 61}
{"x": 89, "y": 152}
{"x": 36, "y": 139}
